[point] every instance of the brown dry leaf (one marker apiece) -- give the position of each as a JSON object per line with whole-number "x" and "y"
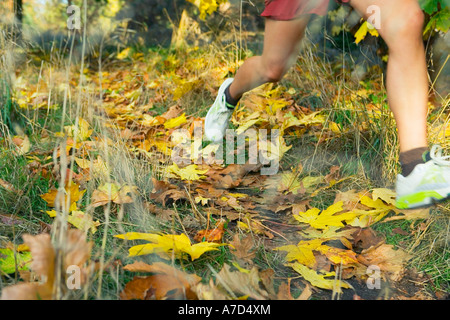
{"x": 171, "y": 194}
{"x": 27, "y": 291}
{"x": 211, "y": 235}
{"x": 174, "y": 111}
{"x": 386, "y": 258}
{"x": 43, "y": 259}
{"x": 350, "y": 199}
{"x": 366, "y": 238}
{"x": 78, "y": 252}
{"x": 210, "y": 292}
{"x": 23, "y": 144}
{"x": 242, "y": 284}
{"x": 300, "y": 207}
{"x": 412, "y": 214}
{"x": 43, "y": 255}
{"x": 110, "y": 192}
{"x": 231, "y": 176}
{"x": 164, "y": 191}
{"x": 164, "y": 214}
{"x": 242, "y": 249}
{"x": 284, "y": 292}
{"x": 43, "y": 264}
{"x": 229, "y": 214}
{"x": 165, "y": 279}
{"x": 333, "y": 175}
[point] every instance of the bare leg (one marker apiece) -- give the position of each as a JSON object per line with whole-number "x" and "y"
{"x": 281, "y": 48}
{"x": 407, "y": 81}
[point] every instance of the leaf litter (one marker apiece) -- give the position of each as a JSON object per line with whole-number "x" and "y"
{"x": 330, "y": 250}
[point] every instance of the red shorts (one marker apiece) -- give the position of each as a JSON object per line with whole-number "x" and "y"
{"x": 291, "y": 9}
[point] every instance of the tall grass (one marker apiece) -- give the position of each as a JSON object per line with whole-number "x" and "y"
{"x": 365, "y": 148}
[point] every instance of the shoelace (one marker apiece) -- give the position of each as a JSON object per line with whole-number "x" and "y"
{"x": 437, "y": 157}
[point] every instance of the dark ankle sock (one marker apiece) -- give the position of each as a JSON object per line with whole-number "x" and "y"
{"x": 231, "y": 102}
{"x": 410, "y": 159}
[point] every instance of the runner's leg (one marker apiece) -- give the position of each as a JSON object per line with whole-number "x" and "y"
{"x": 281, "y": 48}
{"x": 407, "y": 81}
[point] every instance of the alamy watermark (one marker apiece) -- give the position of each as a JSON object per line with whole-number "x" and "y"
{"x": 73, "y": 280}
{"x": 374, "y": 279}
{"x": 74, "y": 20}
{"x": 374, "y": 20}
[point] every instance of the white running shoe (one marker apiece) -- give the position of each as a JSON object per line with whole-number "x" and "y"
{"x": 218, "y": 117}
{"x": 426, "y": 184}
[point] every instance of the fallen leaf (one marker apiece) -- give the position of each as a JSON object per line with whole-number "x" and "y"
{"x": 302, "y": 252}
{"x": 190, "y": 172}
{"x": 387, "y": 195}
{"x": 326, "y": 218}
{"x": 76, "y": 252}
{"x": 211, "y": 235}
{"x": 80, "y": 132}
{"x": 22, "y": 143}
{"x": 243, "y": 249}
{"x": 168, "y": 244}
{"x": 319, "y": 280}
{"x": 175, "y": 122}
{"x": 386, "y": 259}
{"x": 71, "y": 194}
{"x": 167, "y": 282}
{"x": 242, "y": 284}
{"x": 111, "y": 192}
{"x": 204, "y": 201}
{"x": 338, "y": 256}
{"x": 123, "y": 54}
{"x": 366, "y": 238}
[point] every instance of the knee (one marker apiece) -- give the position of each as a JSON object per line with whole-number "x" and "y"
{"x": 273, "y": 71}
{"x": 406, "y": 27}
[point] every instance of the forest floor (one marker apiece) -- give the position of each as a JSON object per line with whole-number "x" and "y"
{"x": 107, "y": 170}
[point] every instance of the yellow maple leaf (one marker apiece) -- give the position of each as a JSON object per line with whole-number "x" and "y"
{"x": 310, "y": 119}
{"x": 201, "y": 199}
{"x": 80, "y": 132}
{"x": 338, "y": 256}
{"x": 363, "y": 30}
{"x": 98, "y": 167}
{"x": 365, "y": 218}
{"x": 189, "y": 172}
{"x": 327, "y": 234}
{"x": 245, "y": 125}
{"x": 123, "y": 54}
{"x": 79, "y": 220}
{"x": 71, "y": 194}
{"x": 302, "y": 252}
{"x": 168, "y": 244}
{"x": 175, "y": 122}
{"x": 387, "y": 195}
{"x": 326, "y": 218}
{"x": 319, "y": 280}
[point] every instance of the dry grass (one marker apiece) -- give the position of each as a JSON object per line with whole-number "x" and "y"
{"x": 354, "y": 149}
